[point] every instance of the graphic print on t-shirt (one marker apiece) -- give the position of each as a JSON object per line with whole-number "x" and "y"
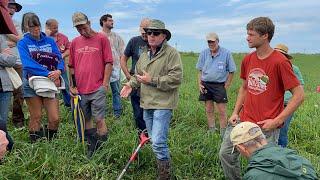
{"x": 87, "y": 49}
{"x": 257, "y": 81}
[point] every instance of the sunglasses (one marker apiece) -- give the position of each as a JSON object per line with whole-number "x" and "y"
{"x": 209, "y": 42}
{"x": 155, "y": 33}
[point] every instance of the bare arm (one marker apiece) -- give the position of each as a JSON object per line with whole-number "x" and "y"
{"x": 201, "y": 87}
{"x": 295, "y": 101}
{"x": 107, "y": 73}
{"x": 239, "y": 103}
{"x": 65, "y": 54}
{"x": 229, "y": 80}
{"x": 124, "y": 66}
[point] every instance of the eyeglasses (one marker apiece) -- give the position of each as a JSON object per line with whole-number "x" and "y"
{"x": 209, "y": 42}
{"x": 155, "y": 33}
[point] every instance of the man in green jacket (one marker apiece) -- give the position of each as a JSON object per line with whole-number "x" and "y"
{"x": 158, "y": 74}
{"x": 268, "y": 161}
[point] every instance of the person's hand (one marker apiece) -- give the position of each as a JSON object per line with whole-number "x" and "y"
{"x": 269, "y": 124}
{"x": 57, "y": 82}
{"x": 7, "y": 51}
{"x": 106, "y": 85}
{"x": 145, "y": 78}
{"x": 126, "y": 90}
{"x": 73, "y": 91}
{"x": 233, "y": 119}
{"x": 54, "y": 75}
{"x": 202, "y": 88}
{"x": 3, "y": 144}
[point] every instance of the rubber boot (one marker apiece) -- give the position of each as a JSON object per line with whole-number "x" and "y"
{"x": 100, "y": 140}
{"x": 91, "y": 140}
{"x": 51, "y": 134}
{"x": 35, "y": 135}
{"x": 163, "y": 170}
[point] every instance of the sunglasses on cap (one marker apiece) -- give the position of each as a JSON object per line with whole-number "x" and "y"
{"x": 155, "y": 33}
{"x": 209, "y": 41}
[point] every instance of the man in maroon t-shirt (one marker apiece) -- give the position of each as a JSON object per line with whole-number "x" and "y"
{"x": 266, "y": 75}
{"x": 90, "y": 66}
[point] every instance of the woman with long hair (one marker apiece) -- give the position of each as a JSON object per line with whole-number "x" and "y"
{"x": 40, "y": 57}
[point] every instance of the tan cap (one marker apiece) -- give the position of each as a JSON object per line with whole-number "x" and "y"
{"x": 283, "y": 49}
{"x": 145, "y": 22}
{"x": 212, "y": 37}
{"x": 244, "y": 132}
{"x": 78, "y": 18}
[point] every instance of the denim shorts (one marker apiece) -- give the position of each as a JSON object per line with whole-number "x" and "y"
{"x": 94, "y": 104}
{"x": 27, "y": 90}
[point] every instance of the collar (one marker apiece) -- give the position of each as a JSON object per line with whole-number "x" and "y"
{"x": 158, "y": 49}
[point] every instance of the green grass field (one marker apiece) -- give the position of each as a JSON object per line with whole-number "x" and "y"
{"x": 194, "y": 151}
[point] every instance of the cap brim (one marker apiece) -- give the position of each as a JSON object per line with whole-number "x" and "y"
{"x": 80, "y": 23}
{"x": 18, "y": 6}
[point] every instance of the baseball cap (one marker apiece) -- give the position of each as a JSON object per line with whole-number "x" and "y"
{"x": 244, "y": 132}
{"x": 212, "y": 37}
{"x": 78, "y": 18}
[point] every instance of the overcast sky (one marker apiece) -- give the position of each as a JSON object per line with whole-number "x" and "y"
{"x": 297, "y": 21}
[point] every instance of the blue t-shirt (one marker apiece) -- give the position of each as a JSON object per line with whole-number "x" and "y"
{"x": 217, "y": 68}
{"x": 134, "y": 49}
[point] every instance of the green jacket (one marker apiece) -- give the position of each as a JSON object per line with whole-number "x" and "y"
{"x": 277, "y": 163}
{"x": 165, "y": 69}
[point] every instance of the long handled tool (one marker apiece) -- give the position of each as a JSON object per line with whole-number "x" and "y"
{"x": 143, "y": 140}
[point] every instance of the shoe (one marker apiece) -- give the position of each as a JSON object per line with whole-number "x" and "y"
{"x": 164, "y": 170}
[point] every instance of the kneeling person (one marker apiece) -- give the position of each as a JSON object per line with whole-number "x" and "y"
{"x": 268, "y": 161}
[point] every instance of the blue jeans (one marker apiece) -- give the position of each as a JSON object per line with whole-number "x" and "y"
{"x": 116, "y": 99}
{"x": 65, "y": 93}
{"x": 5, "y": 99}
{"x": 283, "y": 137}
{"x": 157, "y": 122}
{"x": 137, "y": 110}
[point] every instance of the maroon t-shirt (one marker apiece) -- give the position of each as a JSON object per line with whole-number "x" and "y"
{"x": 88, "y": 57}
{"x": 266, "y": 81}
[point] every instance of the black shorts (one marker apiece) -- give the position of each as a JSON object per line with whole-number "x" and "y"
{"x": 214, "y": 92}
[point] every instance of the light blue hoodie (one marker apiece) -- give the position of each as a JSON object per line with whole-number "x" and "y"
{"x": 27, "y": 45}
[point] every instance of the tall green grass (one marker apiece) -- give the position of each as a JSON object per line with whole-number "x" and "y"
{"x": 194, "y": 151}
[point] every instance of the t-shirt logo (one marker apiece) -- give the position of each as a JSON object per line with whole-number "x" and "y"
{"x": 87, "y": 49}
{"x": 257, "y": 81}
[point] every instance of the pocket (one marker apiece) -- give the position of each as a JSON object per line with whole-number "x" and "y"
{"x": 221, "y": 66}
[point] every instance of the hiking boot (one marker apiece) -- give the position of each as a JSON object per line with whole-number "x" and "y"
{"x": 163, "y": 170}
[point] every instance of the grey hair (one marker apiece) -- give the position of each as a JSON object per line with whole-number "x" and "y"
{"x": 255, "y": 141}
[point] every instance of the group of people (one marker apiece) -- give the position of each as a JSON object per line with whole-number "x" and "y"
{"x": 95, "y": 60}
